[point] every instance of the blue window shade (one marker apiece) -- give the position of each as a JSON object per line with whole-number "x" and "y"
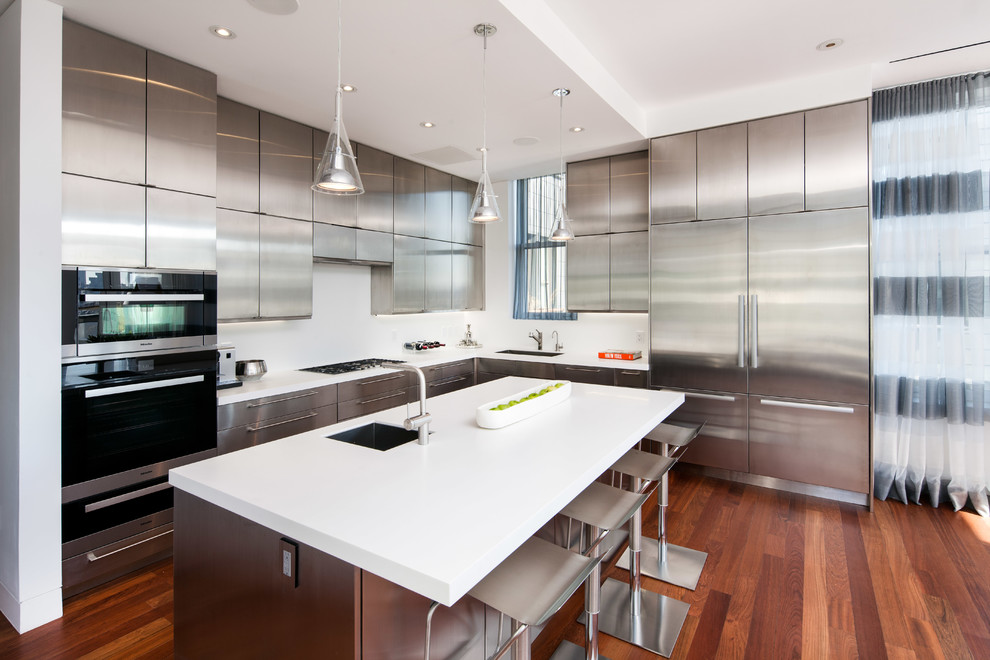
{"x": 541, "y": 264}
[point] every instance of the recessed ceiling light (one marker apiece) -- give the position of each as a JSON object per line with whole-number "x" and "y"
{"x": 427, "y": 124}
{"x": 576, "y": 129}
{"x": 348, "y": 88}
{"x": 829, "y": 44}
{"x": 525, "y": 141}
{"x": 222, "y": 32}
{"x": 277, "y": 7}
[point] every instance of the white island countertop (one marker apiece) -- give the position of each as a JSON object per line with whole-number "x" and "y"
{"x": 434, "y": 519}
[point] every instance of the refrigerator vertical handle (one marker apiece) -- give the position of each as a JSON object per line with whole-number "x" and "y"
{"x": 754, "y": 331}
{"x": 741, "y": 350}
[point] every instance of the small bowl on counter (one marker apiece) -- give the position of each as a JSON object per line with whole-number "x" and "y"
{"x": 248, "y": 370}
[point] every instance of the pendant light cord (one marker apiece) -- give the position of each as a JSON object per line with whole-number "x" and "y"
{"x": 340, "y": 34}
{"x": 484, "y": 100}
{"x": 563, "y": 188}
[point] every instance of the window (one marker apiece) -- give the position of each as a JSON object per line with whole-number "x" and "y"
{"x": 541, "y": 264}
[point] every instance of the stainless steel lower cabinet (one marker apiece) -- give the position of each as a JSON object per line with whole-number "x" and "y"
{"x": 393, "y": 624}
{"x": 824, "y": 444}
{"x": 724, "y": 442}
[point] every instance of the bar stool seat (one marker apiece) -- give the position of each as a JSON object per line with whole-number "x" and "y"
{"x": 600, "y": 508}
{"x": 664, "y": 561}
{"x": 529, "y": 586}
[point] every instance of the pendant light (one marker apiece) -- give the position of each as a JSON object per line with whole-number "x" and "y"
{"x": 484, "y": 208}
{"x": 338, "y": 172}
{"x": 562, "y": 225}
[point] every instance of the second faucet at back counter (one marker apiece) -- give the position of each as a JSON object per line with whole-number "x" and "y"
{"x": 538, "y": 336}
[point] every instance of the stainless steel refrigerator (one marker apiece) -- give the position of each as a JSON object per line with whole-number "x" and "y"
{"x": 763, "y": 322}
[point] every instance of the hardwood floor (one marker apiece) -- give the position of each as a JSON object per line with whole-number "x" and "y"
{"x": 787, "y": 576}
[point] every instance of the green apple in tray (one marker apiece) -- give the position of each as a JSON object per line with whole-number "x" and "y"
{"x": 519, "y": 406}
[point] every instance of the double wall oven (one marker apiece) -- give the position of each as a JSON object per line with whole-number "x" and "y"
{"x": 138, "y": 398}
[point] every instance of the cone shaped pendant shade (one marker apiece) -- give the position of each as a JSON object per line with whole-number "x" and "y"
{"x": 338, "y": 172}
{"x": 484, "y": 208}
{"x": 562, "y": 230}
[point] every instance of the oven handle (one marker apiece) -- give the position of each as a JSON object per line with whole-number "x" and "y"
{"x": 143, "y": 297}
{"x": 92, "y": 556}
{"x": 149, "y": 385}
{"x": 133, "y": 495}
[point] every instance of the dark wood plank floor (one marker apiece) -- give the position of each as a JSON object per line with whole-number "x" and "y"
{"x": 787, "y": 576}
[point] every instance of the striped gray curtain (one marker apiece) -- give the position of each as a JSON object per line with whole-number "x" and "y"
{"x": 931, "y": 148}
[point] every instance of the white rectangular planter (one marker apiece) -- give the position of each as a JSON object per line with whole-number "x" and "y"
{"x": 496, "y": 419}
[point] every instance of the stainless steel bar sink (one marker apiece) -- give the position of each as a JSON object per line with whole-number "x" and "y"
{"x": 376, "y": 436}
{"x": 513, "y": 351}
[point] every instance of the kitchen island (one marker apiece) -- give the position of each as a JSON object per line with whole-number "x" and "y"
{"x": 432, "y": 520}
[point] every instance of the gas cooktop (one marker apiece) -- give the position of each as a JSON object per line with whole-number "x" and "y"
{"x": 347, "y": 367}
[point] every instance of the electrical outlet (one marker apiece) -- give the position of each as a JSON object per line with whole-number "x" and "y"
{"x": 640, "y": 336}
{"x": 290, "y": 561}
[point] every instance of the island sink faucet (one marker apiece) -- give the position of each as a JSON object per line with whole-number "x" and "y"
{"x": 422, "y": 420}
{"x": 538, "y": 336}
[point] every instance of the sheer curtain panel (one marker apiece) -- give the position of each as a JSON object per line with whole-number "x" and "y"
{"x": 931, "y": 267}
{"x": 541, "y": 269}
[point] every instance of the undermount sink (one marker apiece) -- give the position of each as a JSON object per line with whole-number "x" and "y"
{"x": 376, "y": 436}
{"x": 513, "y": 351}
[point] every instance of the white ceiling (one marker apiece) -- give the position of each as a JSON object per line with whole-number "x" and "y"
{"x": 636, "y": 68}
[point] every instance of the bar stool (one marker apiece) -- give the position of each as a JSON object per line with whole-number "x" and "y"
{"x": 664, "y": 561}
{"x": 600, "y": 508}
{"x": 529, "y": 586}
{"x": 648, "y": 620}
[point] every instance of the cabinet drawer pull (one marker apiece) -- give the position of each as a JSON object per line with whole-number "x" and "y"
{"x": 631, "y": 373}
{"x": 447, "y": 381}
{"x": 282, "y": 400}
{"x": 381, "y": 398}
{"x": 381, "y": 380}
{"x": 711, "y": 397}
{"x": 92, "y": 556}
{"x": 252, "y": 429}
{"x": 590, "y": 370}
{"x": 808, "y": 406}
{"x": 133, "y": 495}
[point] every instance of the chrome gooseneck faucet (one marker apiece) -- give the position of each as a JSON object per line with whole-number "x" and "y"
{"x": 538, "y": 336}
{"x": 422, "y": 420}
{"x": 557, "y": 346}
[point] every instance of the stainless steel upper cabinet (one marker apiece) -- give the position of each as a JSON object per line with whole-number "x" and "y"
{"x": 776, "y": 165}
{"x": 409, "y": 190}
{"x": 286, "y": 168}
{"x": 409, "y": 275}
{"x": 588, "y": 273}
{"x": 333, "y": 209}
{"x": 438, "y": 276}
{"x": 237, "y": 156}
{"x": 182, "y": 230}
{"x": 238, "y": 279}
{"x": 102, "y": 222}
{"x": 182, "y": 126}
{"x": 697, "y": 314}
{"x": 588, "y": 196}
{"x": 375, "y": 205}
{"x": 629, "y": 193}
{"x": 463, "y": 230}
{"x": 373, "y": 246}
{"x": 468, "y": 277}
{"x": 836, "y": 156}
{"x": 286, "y": 267}
{"x": 103, "y": 105}
{"x": 334, "y": 242}
{"x": 810, "y": 314}
{"x": 438, "y": 204}
{"x": 674, "y": 178}
{"x": 722, "y": 172}
{"x": 629, "y": 268}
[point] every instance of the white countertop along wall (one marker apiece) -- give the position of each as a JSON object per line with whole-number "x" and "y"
{"x": 436, "y": 518}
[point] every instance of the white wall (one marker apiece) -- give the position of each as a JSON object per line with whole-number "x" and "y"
{"x": 343, "y": 328}
{"x": 30, "y": 259}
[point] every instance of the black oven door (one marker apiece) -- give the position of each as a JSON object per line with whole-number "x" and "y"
{"x": 127, "y": 413}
